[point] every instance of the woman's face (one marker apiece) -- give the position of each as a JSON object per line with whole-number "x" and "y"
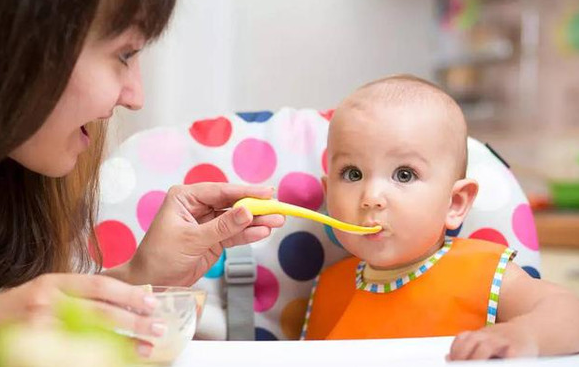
{"x": 107, "y": 74}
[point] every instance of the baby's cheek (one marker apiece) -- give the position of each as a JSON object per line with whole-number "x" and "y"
{"x": 346, "y": 239}
{"x": 335, "y": 209}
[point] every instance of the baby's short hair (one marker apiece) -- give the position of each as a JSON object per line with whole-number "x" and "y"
{"x": 404, "y": 88}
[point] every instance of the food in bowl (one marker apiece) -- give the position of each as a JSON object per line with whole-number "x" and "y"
{"x": 180, "y": 308}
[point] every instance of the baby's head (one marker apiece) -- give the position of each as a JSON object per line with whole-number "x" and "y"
{"x": 397, "y": 157}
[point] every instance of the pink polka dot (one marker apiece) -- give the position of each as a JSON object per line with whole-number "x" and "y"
{"x": 211, "y": 132}
{"x": 162, "y": 151}
{"x": 205, "y": 173}
{"x": 301, "y": 189}
{"x": 254, "y": 160}
{"x": 266, "y": 289}
{"x": 299, "y": 135}
{"x": 524, "y": 227}
{"x": 489, "y": 234}
{"x": 325, "y": 161}
{"x": 116, "y": 241}
{"x": 148, "y": 206}
{"x": 327, "y": 114}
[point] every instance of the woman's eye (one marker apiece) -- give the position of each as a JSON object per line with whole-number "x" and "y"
{"x": 352, "y": 174}
{"x": 124, "y": 57}
{"x": 404, "y": 175}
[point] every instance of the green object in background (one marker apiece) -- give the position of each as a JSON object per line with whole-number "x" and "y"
{"x": 84, "y": 338}
{"x": 469, "y": 14}
{"x": 565, "y": 194}
{"x": 573, "y": 31}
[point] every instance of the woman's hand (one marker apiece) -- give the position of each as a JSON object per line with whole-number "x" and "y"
{"x": 128, "y": 307}
{"x": 191, "y": 230}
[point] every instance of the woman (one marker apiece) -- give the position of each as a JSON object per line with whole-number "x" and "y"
{"x": 64, "y": 66}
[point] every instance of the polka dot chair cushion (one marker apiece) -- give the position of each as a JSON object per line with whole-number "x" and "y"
{"x": 286, "y": 150}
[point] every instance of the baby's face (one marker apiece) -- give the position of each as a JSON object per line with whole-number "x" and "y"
{"x": 395, "y": 167}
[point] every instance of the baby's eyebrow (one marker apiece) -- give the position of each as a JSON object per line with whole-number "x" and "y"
{"x": 408, "y": 155}
{"x": 340, "y": 155}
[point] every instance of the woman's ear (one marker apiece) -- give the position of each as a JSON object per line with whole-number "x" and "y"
{"x": 463, "y": 194}
{"x": 325, "y": 184}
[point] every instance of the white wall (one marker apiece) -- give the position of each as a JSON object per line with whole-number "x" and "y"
{"x": 240, "y": 55}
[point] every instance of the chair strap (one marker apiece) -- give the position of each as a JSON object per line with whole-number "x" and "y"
{"x": 240, "y": 275}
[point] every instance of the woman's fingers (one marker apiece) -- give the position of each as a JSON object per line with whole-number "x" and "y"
{"x": 248, "y": 235}
{"x": 270, "y": 220}
{"x": 237, "y": 226}
{"x": 128, "y": 322}
{"x": 107, "y": 289}
{"x": 144, "y": 349}
{"x": 200, "y": 198}
{"x": 221, "y": 195}
{"x": 219, "y": 229}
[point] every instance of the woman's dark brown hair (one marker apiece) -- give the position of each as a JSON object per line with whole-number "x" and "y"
{"x": 46, "y": 223}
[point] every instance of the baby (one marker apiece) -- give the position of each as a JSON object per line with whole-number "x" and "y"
{"x": 397, "y": 156}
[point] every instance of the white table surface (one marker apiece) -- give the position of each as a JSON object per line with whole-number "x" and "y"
{"x": 351, "y": 353}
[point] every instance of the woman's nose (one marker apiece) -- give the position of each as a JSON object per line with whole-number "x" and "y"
{"x": 131, "y": 95}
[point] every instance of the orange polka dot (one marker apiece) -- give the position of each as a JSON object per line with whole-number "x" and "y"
{"x": 292, "y": 318}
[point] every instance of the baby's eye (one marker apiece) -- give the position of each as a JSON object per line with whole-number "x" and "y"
{"x": 351, "y": 174}
{"x": 404, "y": 175}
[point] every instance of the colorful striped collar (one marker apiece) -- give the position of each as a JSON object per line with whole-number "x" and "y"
{"x": 398, "y": 283}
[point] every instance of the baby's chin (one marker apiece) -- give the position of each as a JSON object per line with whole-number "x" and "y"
{"x": 378, "y": 255}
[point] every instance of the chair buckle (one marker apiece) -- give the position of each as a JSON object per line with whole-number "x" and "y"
{"x": 240, "y": 270}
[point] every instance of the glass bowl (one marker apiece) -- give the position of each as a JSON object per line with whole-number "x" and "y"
{"x": 180, "y": 308}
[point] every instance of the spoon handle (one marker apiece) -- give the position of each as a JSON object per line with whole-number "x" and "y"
{"x": 262, "y": 206}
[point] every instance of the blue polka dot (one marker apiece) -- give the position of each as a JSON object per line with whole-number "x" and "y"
{"x": 301, "y": 255}
{"x": 532, "y": 272}
{"x": 258, "y": 116}
{"x": 217, "y": 269}
{"x": 263, "y": 334}
{"x": 453, "y": 232}
{"x": 332, "y": 236}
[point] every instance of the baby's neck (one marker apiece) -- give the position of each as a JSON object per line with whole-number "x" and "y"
{"x": 409, "y": 264}
{"x": 372, "y": 274}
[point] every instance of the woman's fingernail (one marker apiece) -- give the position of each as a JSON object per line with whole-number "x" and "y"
{"x": 158, "y": 329}
{"x": 241, "y": 216}
{"x": 151, "y": 302}
{"x": 144, "y": 350}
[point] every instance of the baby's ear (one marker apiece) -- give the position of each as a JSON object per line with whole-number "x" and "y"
{"x": 325, "y": 184}
{"x": 463, "y": 194}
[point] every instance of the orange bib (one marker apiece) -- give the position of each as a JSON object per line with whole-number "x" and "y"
{"x": 449, "y": 297}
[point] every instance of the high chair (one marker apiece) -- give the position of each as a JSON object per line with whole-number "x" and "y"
{"x": 261, "y": 291}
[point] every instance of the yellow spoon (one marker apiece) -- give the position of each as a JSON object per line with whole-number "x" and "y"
{"x": 262, "y": 206}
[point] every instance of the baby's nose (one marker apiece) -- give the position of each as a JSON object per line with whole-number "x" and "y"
{"x": 374, "y": 201}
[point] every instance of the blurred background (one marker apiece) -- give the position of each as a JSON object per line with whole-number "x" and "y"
{"x": 513, "y": 65}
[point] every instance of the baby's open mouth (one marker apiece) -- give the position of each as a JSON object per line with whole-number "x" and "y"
{"x": 84, "y": 131}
